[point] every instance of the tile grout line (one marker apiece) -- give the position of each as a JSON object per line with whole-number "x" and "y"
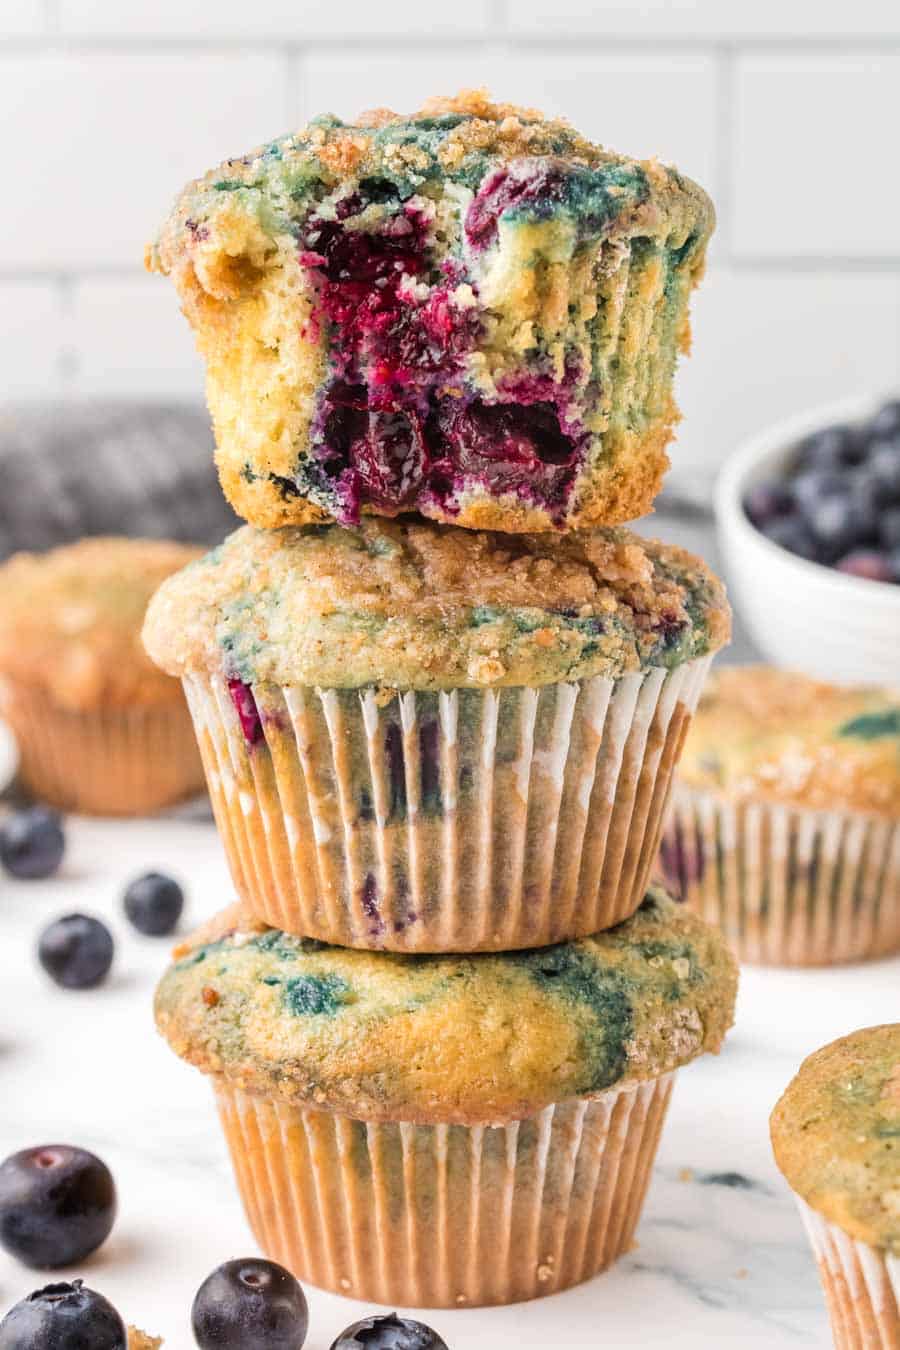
{"x": 54, "y": 39}
{"x": 725, "y": 146}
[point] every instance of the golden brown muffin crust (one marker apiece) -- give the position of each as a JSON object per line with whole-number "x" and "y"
{"x": 414, "y": 605}
{"x": 780, "y": 736}
{"x": 453, "y": 1038}
{"x": 836, "y": 1134}
{"x": 70, "y": 621}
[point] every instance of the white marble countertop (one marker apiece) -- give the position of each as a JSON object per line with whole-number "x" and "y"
{"x": 721, "y": 1258}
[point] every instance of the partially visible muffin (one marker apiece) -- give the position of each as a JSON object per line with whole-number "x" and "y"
{"x": 836, "y": 1138}
{"x": 100, "y": 728}
{"x": 497, "y": 1115}
{"x": 472, "y": 312}
{"x": 425, "y": 738}
{"x": 785, "y": 821}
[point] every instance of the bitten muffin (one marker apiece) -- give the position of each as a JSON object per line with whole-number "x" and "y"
{"x": 471, "y": 312}
{"x": 429, "y": 739}
{"x": 445, "y": 1130}
{"x": 786, "y": 808}
{"x": 836, "y": 1137}
{"x": 100, "y": 728}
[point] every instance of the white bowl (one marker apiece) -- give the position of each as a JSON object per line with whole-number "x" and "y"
{"x": 801, "y": 615}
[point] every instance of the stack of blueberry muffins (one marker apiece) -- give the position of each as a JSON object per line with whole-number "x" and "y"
{"x": 440, "y": 694}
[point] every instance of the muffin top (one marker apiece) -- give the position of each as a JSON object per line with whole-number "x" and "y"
{"x": 414, "y": 605}
{"x": 70, "y": 621}
{"x": 521, "y": 166}
{"x": 836, "y": 1134}
{"x": 765, "y": 733}
{"x": 450, "y": 1038}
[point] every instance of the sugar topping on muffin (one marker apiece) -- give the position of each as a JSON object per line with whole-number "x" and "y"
{"x": 471, "y": 311}
{"x": 836, "y": 1134}
{"x": 778, "y": 735}
{"x": 449, "y": 1038}
{"x": 410, "y": 604}
{"x": 70, "y": 621}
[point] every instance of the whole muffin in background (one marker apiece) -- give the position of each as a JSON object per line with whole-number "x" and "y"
{"x": 785, "y": 819}
{"x": 835, "y": 1135}
{"x": 453, "y": 1130}
{"x": 471, "y": 312}
{"x": 424, "y": 738}
{"x": 100, "y": 729}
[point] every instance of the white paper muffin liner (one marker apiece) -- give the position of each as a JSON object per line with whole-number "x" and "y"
{"x": 462, "y": 821}
{"x": 861, "y": 1283}
{"x": 445, "y": 1215}
{"x": 787, "y": 886}
{"x": 107, "y": 762}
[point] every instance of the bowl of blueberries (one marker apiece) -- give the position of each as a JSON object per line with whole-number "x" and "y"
{"x": 808, "y": 515}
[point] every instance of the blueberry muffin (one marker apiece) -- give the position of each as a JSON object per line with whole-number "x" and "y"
{"x": 471, "y": 312}
{"x": 447, "y": 1130}
{"x": 424, "y": 738}
{"x": 100, "y": 728}
{"x": 835, "y": 1134}
{"x": 785, "y": 825}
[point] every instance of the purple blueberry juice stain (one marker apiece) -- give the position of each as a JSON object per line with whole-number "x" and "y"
{"x": 430, "y": 771}
{"x": 397, "y": 425}
{"x": 682, "y": 859}
{"x": 396, "y": 762}
{"x": 369, "y": 900}
{"x": 247, "y": 711}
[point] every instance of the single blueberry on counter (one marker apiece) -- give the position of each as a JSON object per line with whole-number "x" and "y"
{"x": 250, "y": 1305}
{"x": 32, "y": 843}
{"x": 63, "y": 1317}
{"x": 57, "y": 1205}
{"x": 76, "y": 951}
{"x": 153, "y": 903}
{"x": 389, "y": 1333}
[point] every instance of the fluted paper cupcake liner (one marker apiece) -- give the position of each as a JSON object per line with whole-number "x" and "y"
{"x": 116, "y": 762}
{"x": 445, "y": 1215}
{"x": 861, "y": 1283}
{"x": 462, "y": 821}
{"x": 787, "y": 886}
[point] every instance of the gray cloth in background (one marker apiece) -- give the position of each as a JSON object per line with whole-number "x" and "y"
{"x": 144, "y": 469}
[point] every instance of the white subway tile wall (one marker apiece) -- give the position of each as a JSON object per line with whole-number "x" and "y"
{"x": 786, "y": 110}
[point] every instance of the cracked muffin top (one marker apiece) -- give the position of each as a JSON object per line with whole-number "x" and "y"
{"x": 777, "y": 735}
{"x": 471, "y": 311}
{"x": 409, "y": 604}
{"x": 70, "y": 621}
{"x": 449, "y": 1038}
{"x": 836, "y": 1134}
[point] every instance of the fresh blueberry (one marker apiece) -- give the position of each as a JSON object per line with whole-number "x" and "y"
{"x": 32, "y": 842}
{"x": 57, "y": 1205}
{"x": 766, "y": 501}
{"x": 250, "y": 1305}
{"x": 836, "y": 524}
{"x": 790, "y": 532}
{"x": 869, "y": 563}
{"x": 154, "y": 903}
{"x": 817, "y": 485}
{"x": 63, "y": 1317}
{"x": 884, "y": 464}
{"x": 889, "y": 528}
{"x": 830, "y": 448}
{"x": 389, "y": 1333}
{"x": 886, "y": 421}
{"x": 76, "y": 951}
